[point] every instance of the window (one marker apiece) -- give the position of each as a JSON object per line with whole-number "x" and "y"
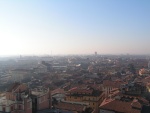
{"x": 3, "y": 109}
{"x": 12, "y": 108}
{"x": 19, "y": 107}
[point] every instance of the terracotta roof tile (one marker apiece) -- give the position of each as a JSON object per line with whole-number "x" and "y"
{"x": 119, "y": 106}
{"x": 70, "y": 106}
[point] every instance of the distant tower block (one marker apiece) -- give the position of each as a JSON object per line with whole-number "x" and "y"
{"x": 95, "y": 53}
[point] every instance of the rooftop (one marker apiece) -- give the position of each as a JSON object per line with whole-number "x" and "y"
{"x": 86, "y": 91}
{"x": 70, "y": 106}
{"x": 119, "y": 106}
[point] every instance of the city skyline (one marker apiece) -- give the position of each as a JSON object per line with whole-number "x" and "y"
{"x": 74, "y": 27}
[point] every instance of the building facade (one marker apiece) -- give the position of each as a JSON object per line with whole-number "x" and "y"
{"x": 20, "y": 99}
{"x": 91, "y": 96}
{"x": 17, "y": 100}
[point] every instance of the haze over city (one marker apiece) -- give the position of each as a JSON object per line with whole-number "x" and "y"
{"x": 74, "y": 56}
{"x": 74, "y": 27}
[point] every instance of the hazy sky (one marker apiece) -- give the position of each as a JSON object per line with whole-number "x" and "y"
{"x": 74, "y": 27}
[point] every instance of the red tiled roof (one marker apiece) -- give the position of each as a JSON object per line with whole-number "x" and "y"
{"x": 70, "y": 106}
{"x": 82, "y": 91}
{"x": 119, "y": 106}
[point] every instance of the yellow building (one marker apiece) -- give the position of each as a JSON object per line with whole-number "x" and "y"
{"x": 88, "y": 95}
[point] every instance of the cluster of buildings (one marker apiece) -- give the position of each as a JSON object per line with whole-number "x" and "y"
{"x": 77, "y": 84}
{"x": 20, "y": 99}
